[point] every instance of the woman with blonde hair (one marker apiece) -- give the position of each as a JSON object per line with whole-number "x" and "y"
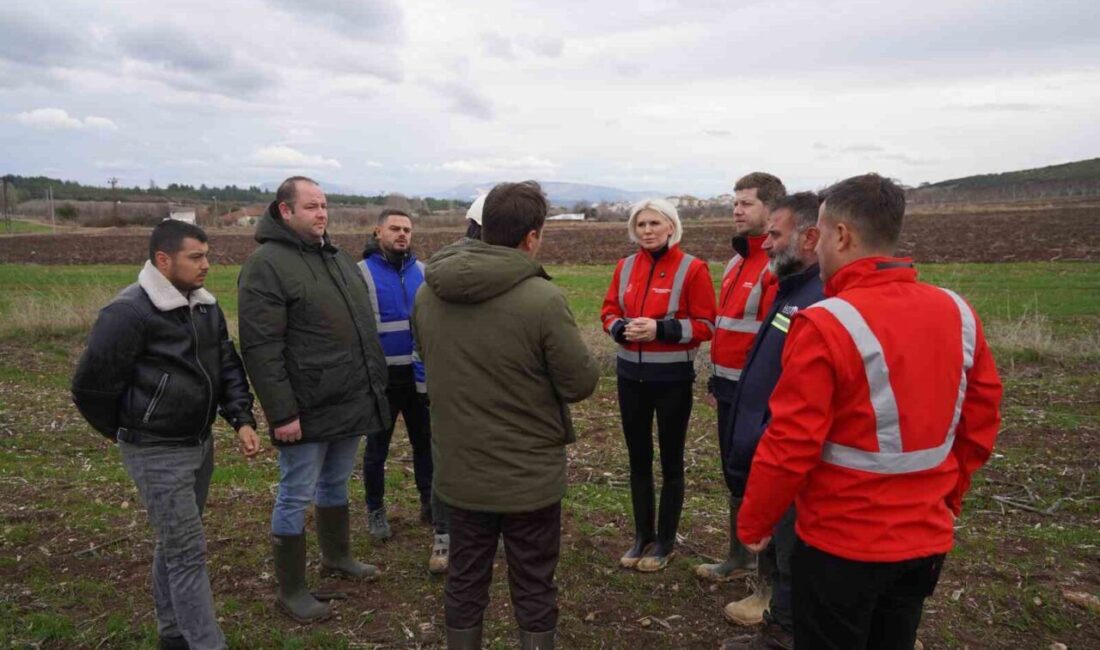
{"x": 659, "y": 308}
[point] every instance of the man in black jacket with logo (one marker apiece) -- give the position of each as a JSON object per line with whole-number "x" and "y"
{"x": 791, "y": 237}
{"x": 158, "y": 367}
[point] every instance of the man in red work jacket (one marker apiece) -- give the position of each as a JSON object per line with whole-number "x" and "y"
{"x": 744, "y": 298}
{"x": 888, "y": 403}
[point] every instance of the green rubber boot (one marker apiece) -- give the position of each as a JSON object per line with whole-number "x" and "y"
{"x": 334, "y": 533}
{"x": 292, "y": 598}
{"x": 739, "y": 562}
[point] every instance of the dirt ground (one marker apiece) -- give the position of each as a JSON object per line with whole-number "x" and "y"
{"x": 1068, "y": 230}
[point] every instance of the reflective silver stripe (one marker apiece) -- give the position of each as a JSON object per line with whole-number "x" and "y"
{"x": 729, "y": 265}
{"x": 372, "y": 291}
{"x": 748, "y": 326}
{"x": 399, "y": 360}
{"x": 420, "y": 265}
{"x": 394, "y": 326}
{"x": 624, "y": 279}
{"x": 421, "y": 386}
{"x": 678, "y": 285}
{"x": 733, "y": 374}
{"x": 752, "y": 305}
{"x": 891, "y": 459}
{"x": 680, "y": 356}
{"x": 685, "y": 330}
{"x": 710, "y": 325}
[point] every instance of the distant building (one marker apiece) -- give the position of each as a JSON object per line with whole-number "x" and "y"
{"x": 574, "y": 216}
{"x": 186, "y": 216}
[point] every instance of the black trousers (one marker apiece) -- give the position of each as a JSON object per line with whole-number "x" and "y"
{"x": 532, "y": 542}
{"x": 671, "y": 402}
{"x": 725, "y": 429}
{"x": 776, "y": 562}
{"x": 403, "y": 400}
{"x": 842, "y": 604}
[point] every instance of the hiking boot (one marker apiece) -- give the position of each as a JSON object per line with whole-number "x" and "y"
{"x": 749, "y": 610}
{"x": 536, "y": 640}
{"x": 292, "y": 597}
{"x": 334, "y": 533}
{"x": 630, "y": 559}
{"x": 739, "y": 561}
{"x": 468, "y": 639}
{"x": 441, "y": 550}
{"x": 378, "y": 525}
{"x": 426, "y": 513}
{"x": 771, "y": 637}
{"x": 172, "y": 643}
{"x": 655, "y": 560}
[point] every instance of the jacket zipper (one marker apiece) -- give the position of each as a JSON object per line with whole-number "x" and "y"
{"x": 645, "y": 295}
{"x": 209, "y": 384}
{"x": 161, "y": 385}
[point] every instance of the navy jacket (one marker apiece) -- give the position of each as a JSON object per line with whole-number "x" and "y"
{"x": 392, "y": 293}
{"x": 750, "y": 414}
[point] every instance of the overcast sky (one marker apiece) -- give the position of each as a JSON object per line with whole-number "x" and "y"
{"x": 415, "y": 97}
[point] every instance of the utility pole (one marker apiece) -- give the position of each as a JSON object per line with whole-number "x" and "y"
{"x": 53, "y": 218}
{"x": 113, "y": 181}
{"x": 4, "y": 208}
{"x": 215, "y": 219}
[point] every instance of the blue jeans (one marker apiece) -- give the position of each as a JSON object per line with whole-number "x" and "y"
{"x": 173, "y": 483}
{"x": 311, "y": 472}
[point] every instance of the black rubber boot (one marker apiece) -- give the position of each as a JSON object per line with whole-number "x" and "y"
{"x": 468, "y": 639}
{"x": 642, "y": 501}
{"x": 293, "y": 599}
{"x": 334, "y": 533}
{"x": 536, "y": 640}
{"x": 668, "y": 519}
{"x": 172, "y": 643}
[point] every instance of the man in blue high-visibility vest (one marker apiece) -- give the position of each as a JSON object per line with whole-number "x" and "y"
{"x": 393, "y": 275}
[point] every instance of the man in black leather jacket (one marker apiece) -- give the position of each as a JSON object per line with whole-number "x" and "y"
{"x": 158, "y": 367}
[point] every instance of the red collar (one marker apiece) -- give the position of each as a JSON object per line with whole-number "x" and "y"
{"x": 869, "y": 272}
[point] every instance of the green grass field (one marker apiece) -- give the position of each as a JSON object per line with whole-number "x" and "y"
{"x": 75, "y": 547}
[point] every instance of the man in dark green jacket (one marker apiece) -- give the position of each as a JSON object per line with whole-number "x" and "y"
{"x": 310, "y": 345}
{"x": 505, "y": 358}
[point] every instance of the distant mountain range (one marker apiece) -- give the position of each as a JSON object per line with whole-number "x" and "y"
{"x": 559, "y": 193}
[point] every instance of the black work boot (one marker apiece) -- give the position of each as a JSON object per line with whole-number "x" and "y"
{"x": 468, "y": 639}
{"x": 172, "y": 643}
{"x": 770, "y": 637}
{"x": 292, "y": 598}
{"x": 739, "y": 562}
{"x": 642, "y": 501}
{"x": 668, "y": 521}
{"x": 334, "y": 533}
{"x": 536, "y": 640}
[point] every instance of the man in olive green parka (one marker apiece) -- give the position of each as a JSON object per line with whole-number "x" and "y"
{"x": 310, "y": 345}
{"x": 504, "y": 358}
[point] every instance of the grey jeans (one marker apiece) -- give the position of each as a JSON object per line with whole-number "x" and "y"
{"x": 173, "y": 483}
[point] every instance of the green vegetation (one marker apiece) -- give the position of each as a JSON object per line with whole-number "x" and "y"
{"x": 75, "y": 547}
{"x": 19, "y": 227}
{"x": 1082, "y": 170}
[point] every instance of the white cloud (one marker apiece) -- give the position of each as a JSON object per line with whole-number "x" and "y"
{"x": 54, "y": 119}
{"x": 284, "y": 157}
{"x": 497, "y": 165}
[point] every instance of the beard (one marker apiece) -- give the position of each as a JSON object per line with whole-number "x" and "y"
{"x": 786, "y": 261}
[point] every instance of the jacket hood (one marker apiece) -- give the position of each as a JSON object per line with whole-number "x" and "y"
{"x": 271, "y": 227}
{"x": 473, "y": 272}
{"x": 374, "y": 246}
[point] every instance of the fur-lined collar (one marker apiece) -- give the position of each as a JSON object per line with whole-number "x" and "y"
{"x": 165, "y": 295}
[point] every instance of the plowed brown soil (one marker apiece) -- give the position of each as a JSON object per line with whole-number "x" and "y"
{"x": 1069, "y": 231}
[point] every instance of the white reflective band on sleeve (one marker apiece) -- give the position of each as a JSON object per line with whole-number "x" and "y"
{"x": 624, "y": 280}
{"x": 371, "y": 291}
{"x": 422, "y": 387}
{"x": 680, "y": 356}
{"x": 732, "y": 374}
{"x": 399, "y": 360}
{"x": 685, "y": 330}
{"x": 678, "y": 285}
{"x": 710, "y": 325}
{"x": 747, "y": 326}
{"x": 891, "y": 459}
{"x": 420, "y": 265}
{"x": 394, "y": 326}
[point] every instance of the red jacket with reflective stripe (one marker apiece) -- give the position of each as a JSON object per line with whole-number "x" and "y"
{"x": 745, "y": 283}
{"x": 649, "y": 291}
{"x": 860, "y": 436}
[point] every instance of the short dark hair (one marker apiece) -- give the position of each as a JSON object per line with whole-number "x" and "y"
{"x": 168, "y": 236}
{"x": 288, "y": 190}
{"x": 769, "y": 188}
{"x": 874, "y": 206}
{"x": 511, "y": 211}
{"x": 392, "y": 212}
{"x": 803, "y": 205}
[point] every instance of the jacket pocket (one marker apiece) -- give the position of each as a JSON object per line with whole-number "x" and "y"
{"x": 162, "y": 385}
